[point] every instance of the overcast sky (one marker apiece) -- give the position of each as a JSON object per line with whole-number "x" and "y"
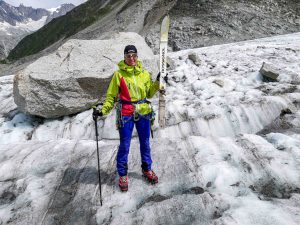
{"x": 46, "y": 4}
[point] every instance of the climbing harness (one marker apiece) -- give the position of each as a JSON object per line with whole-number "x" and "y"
{"x": 120, "y": 121}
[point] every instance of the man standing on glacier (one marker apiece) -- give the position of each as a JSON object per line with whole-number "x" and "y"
{"x": 130, "y": 86}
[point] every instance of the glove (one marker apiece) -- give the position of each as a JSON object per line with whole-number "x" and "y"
{"x": 97, "y": 113}
{"x": 158, "y": 76}
{"x": 162, "y": 91}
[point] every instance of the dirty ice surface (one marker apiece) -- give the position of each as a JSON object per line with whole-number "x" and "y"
{"x": 230, "y": 153}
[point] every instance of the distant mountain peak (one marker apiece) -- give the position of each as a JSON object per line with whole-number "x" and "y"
{"x": 21, "y": 14}
{"x": 65, "y": 5}
{"x": 59, "y": 11}
{"x": 19, "y": 21}
{"x": 13, "y": 15}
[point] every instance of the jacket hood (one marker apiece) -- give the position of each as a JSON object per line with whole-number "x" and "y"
{"x": 130, "y": 69}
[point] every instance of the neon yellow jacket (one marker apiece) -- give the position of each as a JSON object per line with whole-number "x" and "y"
{"x": 130, "y": 84}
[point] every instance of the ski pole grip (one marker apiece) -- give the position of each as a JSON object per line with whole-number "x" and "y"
{"x": 95, "y": 108}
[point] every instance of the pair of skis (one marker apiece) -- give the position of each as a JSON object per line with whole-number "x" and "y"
{"x": 163, "y": 46}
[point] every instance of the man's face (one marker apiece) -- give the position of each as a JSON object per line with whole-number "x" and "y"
{"x": 131, "y": 59}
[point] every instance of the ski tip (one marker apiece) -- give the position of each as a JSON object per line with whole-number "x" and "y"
{"x": 164, "y": 30}
{"x": 166, "y": 20}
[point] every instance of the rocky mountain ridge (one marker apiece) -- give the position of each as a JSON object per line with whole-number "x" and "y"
{"x": 21, "y": 14}
{"x": 14, "y": 15}
{"x": 193, "y": 23}
{"x": 17, "y": 22}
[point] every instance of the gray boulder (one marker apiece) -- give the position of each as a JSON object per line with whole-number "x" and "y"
{"x": 195, "y": 59}
{"x": 76, "y": 76}
{"x": 269, "y": 72}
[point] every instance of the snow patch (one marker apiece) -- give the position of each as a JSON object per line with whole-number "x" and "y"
{"x": 28, "y": 26}
{"x": 52, "y": 10}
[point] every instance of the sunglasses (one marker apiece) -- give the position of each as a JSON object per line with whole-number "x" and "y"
{"x": 133, "y": 55}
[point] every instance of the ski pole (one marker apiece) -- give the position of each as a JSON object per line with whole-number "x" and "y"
{"x": 95, "y": 117}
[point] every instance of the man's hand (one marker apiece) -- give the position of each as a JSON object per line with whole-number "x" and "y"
{"x": 165, "y": 78}
{"x": 162, "y": 91}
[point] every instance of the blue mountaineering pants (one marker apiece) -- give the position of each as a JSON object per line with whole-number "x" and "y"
{"x": 143, "y": 129}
